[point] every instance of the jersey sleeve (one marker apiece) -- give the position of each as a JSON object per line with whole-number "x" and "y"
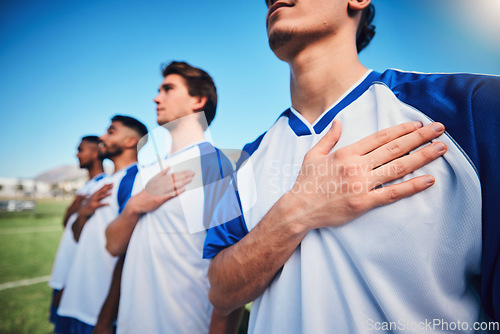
{"x": 227, "y": 225}
{"x": 485, "y": 104}
{"x": 126, "y": 186}
{"x": 469, "y": 106}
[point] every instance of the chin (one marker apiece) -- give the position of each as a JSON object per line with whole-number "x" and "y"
{"x": 283, "y": 43}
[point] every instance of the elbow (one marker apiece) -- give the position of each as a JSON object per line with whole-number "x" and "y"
{"x": 221, "y": 305}
{"x": 221, "y": 300}
{"x": 110, "y": 246}
{"x": 113, "y": 249}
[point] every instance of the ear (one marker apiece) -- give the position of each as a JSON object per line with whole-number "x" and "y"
{"x": 199, "y": 102}
{"x": 131, "y": 142}
{"x": 358, "y": 5}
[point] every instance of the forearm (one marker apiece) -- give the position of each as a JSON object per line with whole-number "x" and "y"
{"x": 66, "y": 217}
{"x": 120, "y": 230}
{"x": 109, "y": 310}
{"x": 242, "y": 272}
{"x": 77, "y": 226}
{"x": 225, "y": 324}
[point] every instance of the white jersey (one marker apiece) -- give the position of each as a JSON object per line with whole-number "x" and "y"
{"x": 67, "y": 245}
{"x": 398, "y": 267}
{"x": 90, "y": 276}
{"x": 164, "y": 287}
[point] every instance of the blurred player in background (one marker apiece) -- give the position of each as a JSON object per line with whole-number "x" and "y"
{"x": 90, "y": 159}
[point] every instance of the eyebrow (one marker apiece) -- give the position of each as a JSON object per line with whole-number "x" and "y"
{"x": 165, "y": 86}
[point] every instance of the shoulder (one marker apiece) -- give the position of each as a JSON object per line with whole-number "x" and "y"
{"x": 213, "y": 160}
{"x": 442, "y": 89}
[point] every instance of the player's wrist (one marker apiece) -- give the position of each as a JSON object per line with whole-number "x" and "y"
{"x": 293, "y": 210}
{"x": 133, "y": 209}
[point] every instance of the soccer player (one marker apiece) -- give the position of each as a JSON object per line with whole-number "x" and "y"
{"x": 433, "y": 255}
{"x": 89, "y": 159}
{"x": 90, "y": 274}
{"x": 164, "y": 283}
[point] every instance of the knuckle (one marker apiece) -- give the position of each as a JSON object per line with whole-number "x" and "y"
{"x": 393, "y": 148}
{"x": 427, "y": 154}
{"x": 392, "y": 195}
{"x": 397, "y": 169}
{"x": 408, "y": 127}
{"x": 341, "y": 154}
{"x": 382, "y": 135}
{"x": 421, "y": 135}
{"x": 355, "y": 204}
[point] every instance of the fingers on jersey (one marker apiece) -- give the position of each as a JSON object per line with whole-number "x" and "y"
{"x": 180, "y": 180}
{"x": 163, "y": 184}
{"x": 104, "y": 192}
{"x": 404, "y": 144}
{"x": 325, "y": 145}
{"x": 407, "y": 164}
{"x": 396, "y": 192}
{"x": 382, "y": 137}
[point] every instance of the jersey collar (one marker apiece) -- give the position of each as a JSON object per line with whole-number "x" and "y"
{"x": 302, "y": 128}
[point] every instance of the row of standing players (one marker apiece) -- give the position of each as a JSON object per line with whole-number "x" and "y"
{"x": 341, "y": 260}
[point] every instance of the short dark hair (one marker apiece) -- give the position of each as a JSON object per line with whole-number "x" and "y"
{"x": 366, "y": 30}
{"x": 91, "y": 139}
{"x": 131, "y": 123}
{"x": 198, "y": 82}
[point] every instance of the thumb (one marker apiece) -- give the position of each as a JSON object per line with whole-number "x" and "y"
{"x": 325, "y": 145}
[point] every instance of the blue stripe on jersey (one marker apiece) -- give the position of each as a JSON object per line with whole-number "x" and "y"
{"x": 469, "y": 106}
{"x": 300, "y": 129}
{"x": 248, "y": 150}
{"x": 215, "y": 166}
{"x": 125, "y": 187}
{"x": 350, "y": 98}
{"x": 227, "y": 234}
{"x": 99, "y": 177}
{"x": 296, "y": 124}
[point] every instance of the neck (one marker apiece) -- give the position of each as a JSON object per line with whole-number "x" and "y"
{"x": 185, "y": 133}
{"x": 321, "y": 73}
{"x": 128, "y": 157}
{"x": 96, "y": 169}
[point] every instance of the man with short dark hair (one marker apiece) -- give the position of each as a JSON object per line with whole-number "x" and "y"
{"x": 90, "y": 275}
{"x": 164, "y": 283}
{"x": 412, "y": 262}
{"x": 89, "y": 159}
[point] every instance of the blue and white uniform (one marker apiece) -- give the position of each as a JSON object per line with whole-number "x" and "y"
{"x": 434, "y": 255}
{"x": 67, "y": 245}
{"x": 90, "y": 276}
{"x": 64, "y": 258}
{"x": 164, "y": 287}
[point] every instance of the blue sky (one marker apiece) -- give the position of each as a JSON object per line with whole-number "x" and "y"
{"x": 68, "y": 66}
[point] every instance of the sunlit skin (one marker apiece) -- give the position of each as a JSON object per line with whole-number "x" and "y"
{"x": 317, "y": 39}
{"x": 87, "y": 154}
{"x": 173, "y": 100}
{"x": 116, "y": 136}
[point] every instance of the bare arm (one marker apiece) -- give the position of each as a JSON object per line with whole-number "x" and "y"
{"x": 160, "y": 189}
{"x": 88, "y": 208}
{"x": 73, "y": 208}
{"x": 225, "y": 324}
{"x": 240, "y": 273}
{"x": 109, "y": 310}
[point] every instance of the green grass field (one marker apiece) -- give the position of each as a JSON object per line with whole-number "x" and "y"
{"x": 28, "y": 243}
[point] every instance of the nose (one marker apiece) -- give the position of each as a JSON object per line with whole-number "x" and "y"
{"x": 156, "y": 100}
